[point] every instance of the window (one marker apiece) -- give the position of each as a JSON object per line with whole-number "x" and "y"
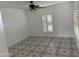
{"x": 1, "y": 23}
{"x": 44, "y": 22}
{"x": 47, "y": 23}
{"x": 76, "y": 22}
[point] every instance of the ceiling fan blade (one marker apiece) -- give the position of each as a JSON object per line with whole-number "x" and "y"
{"x": 51, "y": 4}
{"x": 41, "y": 7}
{"x": 37, "y": 6}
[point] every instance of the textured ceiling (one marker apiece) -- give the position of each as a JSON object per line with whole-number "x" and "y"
{"x": 18, "y": 4}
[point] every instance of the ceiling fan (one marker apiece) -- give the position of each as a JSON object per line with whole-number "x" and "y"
{"x": 32, "y": 6}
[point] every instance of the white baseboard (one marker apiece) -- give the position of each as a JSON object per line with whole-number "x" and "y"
{"x": 65, "y": 35}
{"x": 54, "y": 35}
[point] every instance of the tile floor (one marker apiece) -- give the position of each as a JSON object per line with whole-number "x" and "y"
{"x": 45, "y": 47}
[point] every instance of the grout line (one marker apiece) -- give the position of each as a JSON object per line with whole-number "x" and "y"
{"x": 43, "y": 40}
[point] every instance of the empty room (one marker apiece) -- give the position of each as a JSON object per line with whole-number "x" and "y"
{"x": 39, "y": 29}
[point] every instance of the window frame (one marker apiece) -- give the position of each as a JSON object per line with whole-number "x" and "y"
{"x": 47, "y": 24}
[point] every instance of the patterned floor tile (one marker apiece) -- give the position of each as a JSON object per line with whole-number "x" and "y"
{"x": 75, "y": 53}
{"x": 64, "y": 52}
{"x": 30, "y": 47}
{"x": 13, "y": 52}
{"x": 35, "y": 43}
{"x": 53, "y": 45}
{"x": 56, "y": 40}
{"x": 41, "y": 39}
{"x": 65, "y": 45}
{"x": 34, "y": 54}
{"x": 51, "y": 50}
{"x": 30, "y": 39}
{"x": 36, "y": 46}
{"x": 26, "y": 43}
{"x": 66, "y": 40}
{"x": 40, "y": 49}
{"x": 22, "y": 53}
{"x": 73, "y": 41}
{"x": 74, "y": 46}
{"x": 47, "y": 55}
{"x": 43, "y": 44}
{"x": 21, "y": 47}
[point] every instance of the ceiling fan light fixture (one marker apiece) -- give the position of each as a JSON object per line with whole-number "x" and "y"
{"x": 32, "y": 7}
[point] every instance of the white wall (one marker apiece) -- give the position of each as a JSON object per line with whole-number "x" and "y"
{"x": 18, "y": 26}
{"x": 3, "y": 43}
{"x": 62, "y": 15}
{"x": 65, "y": 19}
{"x": 15, "y": 24}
